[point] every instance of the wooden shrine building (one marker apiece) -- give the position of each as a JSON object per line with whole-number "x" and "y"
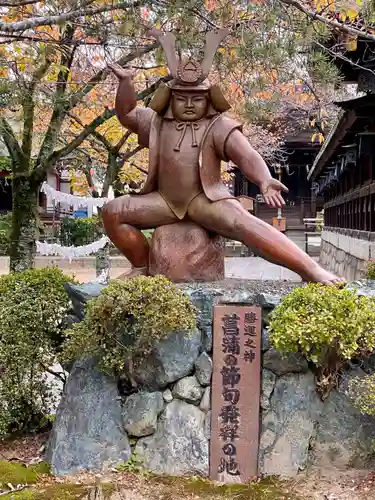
{"x": 344, "y": 174}
{"x": 344, "y": 170}
{"x": 300, "y": 154}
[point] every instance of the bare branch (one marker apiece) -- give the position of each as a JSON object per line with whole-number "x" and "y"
{"x": 337, "y": 55}
{"x": 60, "y": 375}
{"x": 122, "y": 141}
{"x": 59, "y": 111}
{"x": 133, "y": 164}
{"x": 28, "y": 106}
{"x": 18, "y": 3}
{"x": 41, "y": 169}
{"x": 100, "y": 75}
{"x": 10, "y": 140}
{"x": 88, "y": 130}
{"x": 332, "y": 23}
{"x": 19, "y": 26}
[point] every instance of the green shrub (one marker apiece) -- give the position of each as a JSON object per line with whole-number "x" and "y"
{"x": 32, "y": 307}
{"x": 328, "y": 325}
{"x": 361, "y": 391}
{"x": 371, "y": 270}
{"x": 148, "y": 233}
{"x": 319, "y": 221}
{"x": 5, "y": 231}
{"x": 78, "y": 232}
{"x": 128, "y": 319}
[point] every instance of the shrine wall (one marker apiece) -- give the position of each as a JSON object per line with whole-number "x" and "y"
{"x": 346, "y": 252}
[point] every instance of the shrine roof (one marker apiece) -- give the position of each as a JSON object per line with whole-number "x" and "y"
{"x": 352, "y": 119}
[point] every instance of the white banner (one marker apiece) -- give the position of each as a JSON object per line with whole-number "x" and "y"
{"x": 71, "y": 253}
{"x": 72, "y": 200}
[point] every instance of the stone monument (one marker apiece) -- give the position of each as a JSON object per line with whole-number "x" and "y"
{"x": 188, "y": 137}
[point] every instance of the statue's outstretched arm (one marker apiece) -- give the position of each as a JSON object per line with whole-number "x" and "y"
{"x": 252, "y": 165}
{"x": 126, "y": 98}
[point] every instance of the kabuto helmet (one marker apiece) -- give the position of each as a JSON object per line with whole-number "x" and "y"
{"x": 189, "y": 75}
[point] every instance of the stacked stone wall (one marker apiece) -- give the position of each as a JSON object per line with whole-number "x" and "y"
{"x": 347, "y": 252}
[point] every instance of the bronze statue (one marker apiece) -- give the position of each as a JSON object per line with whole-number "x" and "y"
{"x": 188, "y": 136}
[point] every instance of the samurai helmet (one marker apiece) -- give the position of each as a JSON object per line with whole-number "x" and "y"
{"x": 189, "y": 75}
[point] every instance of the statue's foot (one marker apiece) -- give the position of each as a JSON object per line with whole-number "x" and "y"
{"x": 319, "y": 275}
{"x": 136, "y": 271}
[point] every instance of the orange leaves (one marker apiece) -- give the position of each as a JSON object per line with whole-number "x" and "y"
{"x": 210, "y": 5}
{"x": 237, "y": 92}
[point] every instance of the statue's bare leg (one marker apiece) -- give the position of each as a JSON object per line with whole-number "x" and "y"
{"x": 229, "y": 219}
{"x": 123, "y": 219}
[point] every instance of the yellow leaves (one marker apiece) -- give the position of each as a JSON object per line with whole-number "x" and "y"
{"x": 350, "y": 10}
{"x": 324, "y": 5}
{"x": 130, "y": 173}
{"x": 112, "y": 130}
{"x": 158, "y": 72}
{"x": 351, "y": 44}
{"x": 126, "y": 28}
{"x": 352, "y": 14}
{"x": 78, "y": 183}
{"x": 54, "y": 72}
{"x": 317, "y": 138}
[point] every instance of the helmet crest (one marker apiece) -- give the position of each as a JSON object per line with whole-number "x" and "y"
{"x": 190, "y": 72}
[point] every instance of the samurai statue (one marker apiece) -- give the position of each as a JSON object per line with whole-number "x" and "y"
{"x": 188, "y": 136}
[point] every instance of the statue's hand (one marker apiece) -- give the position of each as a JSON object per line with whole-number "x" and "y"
{"x": 122, "y": 73}
{"x": 271, "y": 191}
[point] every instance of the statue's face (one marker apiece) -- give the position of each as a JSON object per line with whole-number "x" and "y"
{"x": 189, "y": 106}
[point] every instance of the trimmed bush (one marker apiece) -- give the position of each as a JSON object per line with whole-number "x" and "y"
{"x": 327, "y": 325}
{"x": 5, "y": 231}
{"x": 33, "y": 305}
{"x": 79, "y": 232}
{"x": 371, "y": 270}
{"x": 128, "y": 319}
{"x": 361, "y": 391}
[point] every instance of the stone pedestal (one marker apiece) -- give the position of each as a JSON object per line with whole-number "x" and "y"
{"x": 170, "y": 415}
{"x": 187, "y": 252}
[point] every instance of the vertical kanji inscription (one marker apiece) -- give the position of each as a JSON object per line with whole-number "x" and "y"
{"x": 235, "y": 394}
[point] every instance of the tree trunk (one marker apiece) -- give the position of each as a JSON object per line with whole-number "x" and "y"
{"x": 24, "y": 224}
{"x": 103, "y": 264}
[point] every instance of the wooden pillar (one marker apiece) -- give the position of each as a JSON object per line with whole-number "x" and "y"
{"x": 302, "y": 211}
{"x": 313, "y": 205}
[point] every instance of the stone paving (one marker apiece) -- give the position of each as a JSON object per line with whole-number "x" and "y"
{"x": 252, "y": 268}
{"x": 256, "y": 268}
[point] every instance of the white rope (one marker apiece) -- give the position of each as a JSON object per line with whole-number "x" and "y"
{"x": 71, "y": 253}
{"x": 71, "y": 199}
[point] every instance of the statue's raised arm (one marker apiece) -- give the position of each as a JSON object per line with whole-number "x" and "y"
{"x": 136, "y": 119}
